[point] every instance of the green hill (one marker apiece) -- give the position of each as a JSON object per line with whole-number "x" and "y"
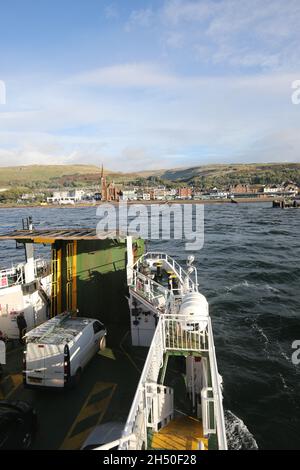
{"x": 26, "y": 174}
{"x": 35, "y": 177}
{"x": 224, "y": 175}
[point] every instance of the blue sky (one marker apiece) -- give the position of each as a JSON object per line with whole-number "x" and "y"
{"x": 142, "y": 84}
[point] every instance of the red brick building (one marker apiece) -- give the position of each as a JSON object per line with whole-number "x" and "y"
{"x": 185, "y": 193}
{"x": 109, "y": 191}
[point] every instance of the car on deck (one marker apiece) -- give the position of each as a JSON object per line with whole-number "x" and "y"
{"x": 18, "y": 425}
{"x": 57, "y": 351}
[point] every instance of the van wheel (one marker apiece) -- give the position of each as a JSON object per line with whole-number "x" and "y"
{"x": 102, "y": 344}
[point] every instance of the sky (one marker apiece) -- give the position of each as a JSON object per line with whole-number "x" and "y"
{"x": 141, "y": 85}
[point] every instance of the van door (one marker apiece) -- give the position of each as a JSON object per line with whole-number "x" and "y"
{"x": 54, "y": 365}
{"x": 86, "y": 345}
{"x": 35, "y": 364}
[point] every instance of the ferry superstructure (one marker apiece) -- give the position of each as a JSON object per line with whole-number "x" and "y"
{"x": 171, "y": 316}
{"x": 24, "y": 287}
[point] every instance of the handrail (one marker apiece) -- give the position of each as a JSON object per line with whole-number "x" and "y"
{"x": 193, "y": 340}
{"x": 150, "y": 373}
{"x": 171, "y": 261}
{"x": 150, "y": 289}
{"x": 217, "y": 393}
{"x": 16, "y": 274}
{"x": 174, "y": 331}
{"x": 183, "y": 333}
{"x": 206, "y": 415}
{"x": 115, "y": 443}
{"x": 181, "y": 273}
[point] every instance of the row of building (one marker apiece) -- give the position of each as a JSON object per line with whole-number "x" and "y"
{"x": 109, "y": 191}
{"x": 113, "y": 192}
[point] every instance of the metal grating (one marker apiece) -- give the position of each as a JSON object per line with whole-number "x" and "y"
{"x": 62, "y": 234}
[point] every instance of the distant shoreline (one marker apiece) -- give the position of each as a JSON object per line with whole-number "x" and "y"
{"x": 175, "y": 201}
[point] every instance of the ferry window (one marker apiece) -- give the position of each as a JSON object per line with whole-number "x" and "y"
{"x": 97, "y": 326}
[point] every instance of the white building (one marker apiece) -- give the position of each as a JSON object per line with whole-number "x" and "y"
{"x": 60, "y": 195}
{"x": 28, "y": 196}
{"x": 272, "y": 189}
{"x": 285, "y": 189}
{"x": 77, "y": 194}
{"x": 217, "y": 194}
{"x": 171, "y": 193}
{"x": 128, "y": 195}
{"x": 159, "y": 193}
{"x": 66, "y": 197}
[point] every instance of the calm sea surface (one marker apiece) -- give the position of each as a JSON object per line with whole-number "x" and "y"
{"x": 250, "y": 272}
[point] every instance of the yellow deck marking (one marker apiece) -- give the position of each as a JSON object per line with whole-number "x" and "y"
{"x": 75, "y": 442}
{"x": 17, "y": 379}
{"x": 97, "y": 408}
{"x": 108, "y": 353}
{"x": 127, "y": 354}
{"x": 183, "y": 433}
{"x": 93, "y": 408}
{"x": 99, "y": 387}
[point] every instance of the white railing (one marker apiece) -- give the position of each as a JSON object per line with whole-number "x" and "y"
{"x": 16, "y": 274}
{"x": 41, "y": 267}
{"x": 12, "y": 276}
{"x": 183, "y": 333}
{"x": 151, "y": 291}
{"x": 183, "y": 276}
{"x": 208, "y": 411}
{"x": 159, "y": 405}
{"x": 115, "y": 443}
{"x": 137, "y": 419}
{"x": 175, "y": 333}
{"x": 217, "y": 392}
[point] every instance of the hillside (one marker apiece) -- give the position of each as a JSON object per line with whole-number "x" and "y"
{"x": 224, "y": 175}
{"x": 25, "y": 174}
{"x": 48, "y": 175}
{"x": 51, "y": 176}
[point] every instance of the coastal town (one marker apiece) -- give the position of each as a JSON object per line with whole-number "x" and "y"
{"x": 149, "y": 231}
{"x": 105, "y": 189}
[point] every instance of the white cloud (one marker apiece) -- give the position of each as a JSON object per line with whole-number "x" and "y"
{"x": 174, "y": 39}
{"x": 260, "y": 34}
{"x": 217, "y": 83}
{"x": 176, "y": 11}
{"x": 126, "y": 75}
{"x": 105, "y": 115}
{"x": 140, "y": 18}
{"x": 278, "y": 146}
{"x": 111, "y": 11}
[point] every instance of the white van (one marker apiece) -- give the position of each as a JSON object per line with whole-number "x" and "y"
{"x": 57, "y": 351}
